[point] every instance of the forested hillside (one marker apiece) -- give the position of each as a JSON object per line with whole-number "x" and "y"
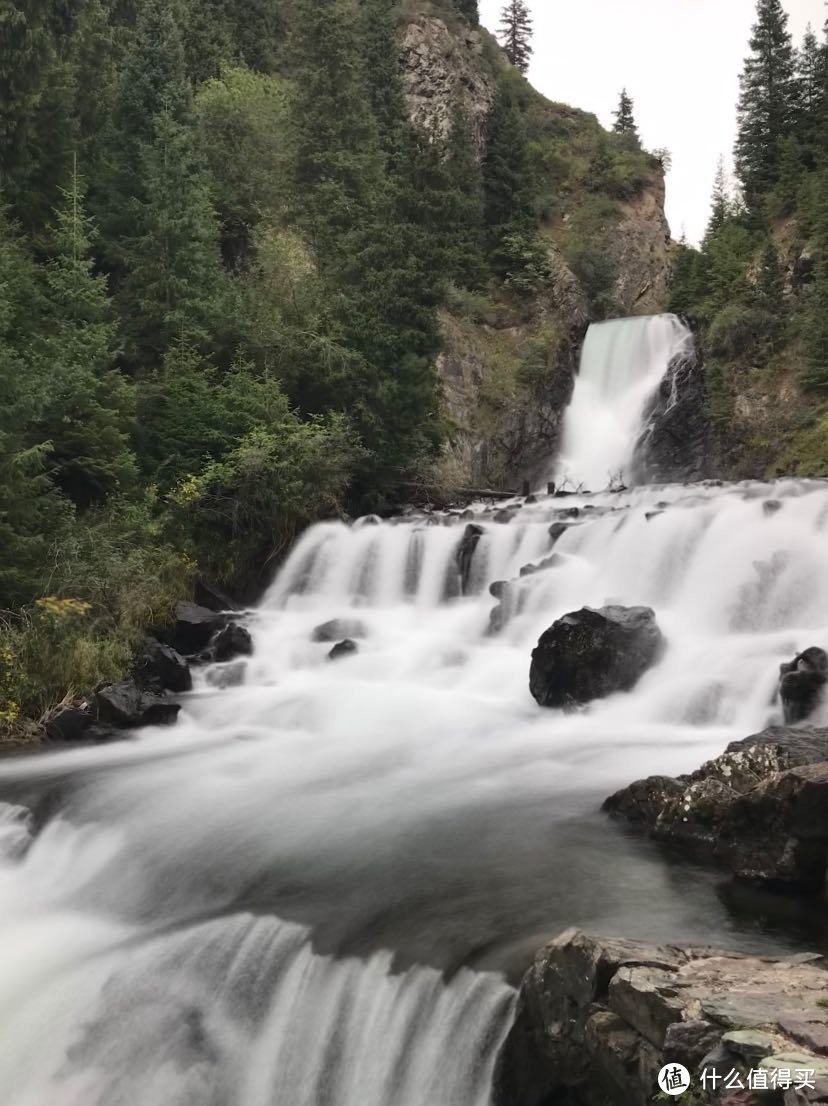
{"x": 757, "y": 290}
{"x": 228, "y": 262}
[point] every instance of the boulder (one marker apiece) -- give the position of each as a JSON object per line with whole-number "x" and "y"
{"x": 343, "y": 649}
{"x": 596, "y": 1019}
{"x": 338, "y": 629}
{"x": 557, "y": 530}
{"x": 802, "y": 684}
{"x": 226, "y": 675}
{"x": 159, "y": 667}
{"x": 195, "y": 626}
{"x": 761, "y": 808}
{"x": 590, "y": 654}
{"x": 230, "y": 642}
{"x": 128, "y": 706}
{"x": 68, "y": 725}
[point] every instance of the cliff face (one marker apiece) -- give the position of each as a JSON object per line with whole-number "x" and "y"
{"x": 642, "y": 252}
{"x": 509, "y": 362}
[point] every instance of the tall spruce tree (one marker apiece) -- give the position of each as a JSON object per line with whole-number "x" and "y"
{"x": 812, "y": 95}
{"x": 87, "y": 403}
{"x": 508, "y": 209}
{"x": 767, "y": 102}
{"x": 721, "y": 204}
{"x": 515, "y": 34}
{"x": 464, "y": 222}
{"x": 625, "y": 118}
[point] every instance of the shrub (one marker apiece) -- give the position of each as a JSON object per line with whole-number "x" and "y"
{"x": 735, "y": 330}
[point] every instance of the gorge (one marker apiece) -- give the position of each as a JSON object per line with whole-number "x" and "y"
{"x": 323, "y": 885}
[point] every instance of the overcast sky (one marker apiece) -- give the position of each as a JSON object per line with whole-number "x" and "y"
{"x": 680, "y": 61}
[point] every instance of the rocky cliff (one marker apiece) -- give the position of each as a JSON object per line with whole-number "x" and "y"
{"x": 509, "y": 360}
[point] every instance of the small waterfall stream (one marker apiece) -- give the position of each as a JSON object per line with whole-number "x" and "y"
{"x": 320, "y": 888}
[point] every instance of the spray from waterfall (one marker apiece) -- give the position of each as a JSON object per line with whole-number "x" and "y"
{"x": 622, "y": 364}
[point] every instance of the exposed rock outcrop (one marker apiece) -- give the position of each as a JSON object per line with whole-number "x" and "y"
{"x": 643, "y": 252}
{"x": 441, "y": 68}
{"x": 597, "y": 1019}
{"x": 590, "y": 654}
{"x": 761, "y": 808}
{"x": 675, "y": 446}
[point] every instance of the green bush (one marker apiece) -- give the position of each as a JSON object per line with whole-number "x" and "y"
{"x": 735, "y": 330}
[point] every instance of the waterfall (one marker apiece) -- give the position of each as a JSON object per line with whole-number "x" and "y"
{"x": 322, "y": 886}
{"x": 622, "y": 364}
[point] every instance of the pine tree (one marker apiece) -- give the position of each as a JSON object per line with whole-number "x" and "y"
{"x": 624, "y": 117}
{"x": 173, "y": 281}
{"x": 721, "y": 201}
{"x": 770, "y": 291}
{"x": 767, "y": 102}
{"x": 507, "y": 210}
{"x": 811, "y": 72}
{"x": 515, "y": 34}
{"x": 87, "y": 404}
{"x": 465, "y": 203}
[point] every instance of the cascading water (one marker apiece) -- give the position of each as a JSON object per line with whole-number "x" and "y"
{"x": 319, "y": 889}
{"x": 622, "y": 364}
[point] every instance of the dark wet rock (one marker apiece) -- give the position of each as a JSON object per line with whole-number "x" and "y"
{"x": 590, "y": 654}
{"x": 230, "y": 642}
{"x": 569, "y": 512}
{"x": 338, "y": 629}
{"x": 677, "y": 441}
{"x": 213, "y": 598}
{"x": 531, "y": 498}
{"x": 159, "y": 667}
{"x": 226, "y": 675}
{"x": 557, "y": 530}
{"x": 771, "y": 506}
{"x": 68, "y": 725}
{"x": 465, "y": 554}
{"x": 505, "y": 516}
{"x": 128, "y": 706}
{"x": 548, "y": 562}
{"x": 802, "y": 684}
{"x": 761, "y": 808}
{"x": 596, "y": 1018}
{"x": 195, "y": 626}
{"x": 650, "y": 515}
{"x": 343, "y": 649}
{"x": 498, "y": 589}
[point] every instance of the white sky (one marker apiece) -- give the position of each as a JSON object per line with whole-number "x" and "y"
{"x": 680, "y": 61}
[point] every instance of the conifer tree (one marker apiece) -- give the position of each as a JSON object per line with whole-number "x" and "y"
{"x": 767, "y": 102}
{"x": 624, "y": 117}
{"x": 515, "y": 34}
{"x": 465, "y": 209}
{"x": 173, "y": 280}
{"x": 507, "y": 210}
{"x": 812, "y": 93}
{"x": 817, "y": 330}
{"x": 721, "y": 203}
{"x": 87, "y": 403}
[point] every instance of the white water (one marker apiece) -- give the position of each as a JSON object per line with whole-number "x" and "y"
{"x": 251, "y": 909}
{"x": 622, "y": 364}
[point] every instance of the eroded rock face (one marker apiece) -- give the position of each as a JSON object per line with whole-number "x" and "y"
{"x": 643, "y": 252}
{"x": 597, "y": 1019}
{"x": 590, "y": 654}
{"x": 438, "y": 68}
{"x": 761, "y": 808}
{"x": 675, "y": 446}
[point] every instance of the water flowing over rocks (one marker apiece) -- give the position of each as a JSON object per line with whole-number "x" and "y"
{"x": 761, "y": 808}
{"x": 338, "y": 629}
{"x": 598, "y": 1018}
{"x": 590, "y": 654}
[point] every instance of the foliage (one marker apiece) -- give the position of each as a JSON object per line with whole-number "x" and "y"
{"x": 625, "y": 119}
{"x": 515, "y": 33}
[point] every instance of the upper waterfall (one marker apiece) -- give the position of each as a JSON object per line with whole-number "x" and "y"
{"x": 622, "y": 364}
